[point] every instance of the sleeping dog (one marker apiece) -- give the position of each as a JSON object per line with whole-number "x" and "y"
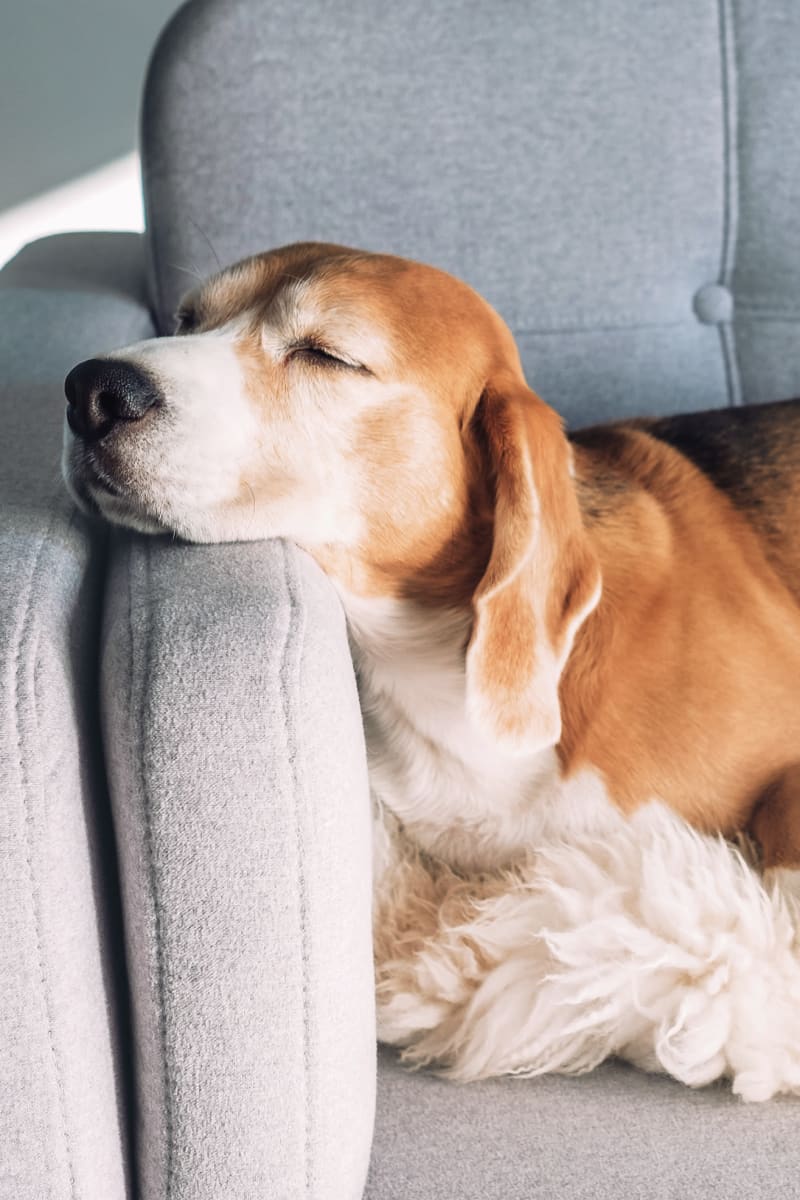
{"x": 578, "y": 656}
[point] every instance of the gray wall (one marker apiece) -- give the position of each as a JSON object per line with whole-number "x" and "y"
{"x": 70, "y": 77}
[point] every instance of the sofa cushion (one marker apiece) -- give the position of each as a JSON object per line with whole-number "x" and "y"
{"x": 615, "y": 1134}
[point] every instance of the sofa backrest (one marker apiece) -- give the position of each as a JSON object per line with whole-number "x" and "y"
{"x": 620, "y": 179}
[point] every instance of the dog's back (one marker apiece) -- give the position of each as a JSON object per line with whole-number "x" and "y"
{"x": 751, "y": 454}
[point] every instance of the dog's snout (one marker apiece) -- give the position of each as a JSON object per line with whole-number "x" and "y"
{"x": 103, "y": 392}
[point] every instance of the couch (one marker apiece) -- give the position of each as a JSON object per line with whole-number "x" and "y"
{"x": 186, "y": 1007}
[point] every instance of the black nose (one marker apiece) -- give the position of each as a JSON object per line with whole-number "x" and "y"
{"x": 101, "y": 392}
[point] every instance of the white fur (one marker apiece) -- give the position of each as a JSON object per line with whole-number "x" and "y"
{"x": 198, "y": 468}
{"x": 183, "y": 469}
{"x": 211, "y": 422}
{"x": 654, "y": 943}
{"x": 577, "y": 933}
{"x": 459, "y": 795}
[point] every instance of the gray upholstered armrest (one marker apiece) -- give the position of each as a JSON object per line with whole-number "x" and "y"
{"x": 238, "y": 776}
{"x": 62, "y": 1111}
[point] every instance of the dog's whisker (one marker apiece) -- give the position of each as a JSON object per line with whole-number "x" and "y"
{"x": 195, "y": 274}
{"x": 207, "y": 240}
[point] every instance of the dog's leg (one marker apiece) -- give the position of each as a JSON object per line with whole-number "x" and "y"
{"x": 423, "y": 977}
{"x": 776, "y": 827}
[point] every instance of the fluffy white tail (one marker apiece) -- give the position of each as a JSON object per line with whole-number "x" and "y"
{"x": 659, "y": 945}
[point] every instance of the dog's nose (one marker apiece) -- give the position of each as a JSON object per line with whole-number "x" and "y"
{"x": 101, "y": 392}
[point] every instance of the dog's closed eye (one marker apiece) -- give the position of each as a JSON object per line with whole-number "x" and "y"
{"x": 185, "y": 320}
{"x": 318, "y": 355}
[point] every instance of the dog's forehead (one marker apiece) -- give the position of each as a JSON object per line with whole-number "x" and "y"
{"x": 247, "y": 287}
{"x": 321, "y": 279}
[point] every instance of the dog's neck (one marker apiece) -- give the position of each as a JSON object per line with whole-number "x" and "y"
{"x": 456, "y": 792}
{"x": 455, "y": 789}
{"x": 410, "y": 662}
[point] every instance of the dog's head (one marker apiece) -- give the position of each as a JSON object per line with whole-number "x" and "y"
{"x": 374, "y": 411}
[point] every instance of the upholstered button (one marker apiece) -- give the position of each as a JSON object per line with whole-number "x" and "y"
{"x": 713, "y": 304}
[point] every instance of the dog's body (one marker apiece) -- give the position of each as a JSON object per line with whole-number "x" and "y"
{"x": 708, "y": 505}
{"x": 694, "y": 522}
{"x": 549, "y": 634}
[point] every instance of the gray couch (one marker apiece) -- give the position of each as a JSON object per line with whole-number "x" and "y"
{"x": 185, "y": 967}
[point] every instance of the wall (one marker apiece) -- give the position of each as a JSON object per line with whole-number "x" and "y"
{"x": 71, "y": 73}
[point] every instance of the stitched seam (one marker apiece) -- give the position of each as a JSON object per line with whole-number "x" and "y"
{"x": 158, "y": 924}
{"x": 36, "y": 909}
{"x": 728, "y": 84}
{"x": 730, "y": 209}
{"x": 290, "y": 676}
{"x": 728, "y": 346}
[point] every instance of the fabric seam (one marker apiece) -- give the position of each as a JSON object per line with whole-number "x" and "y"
{"x": 730, "y": 212}
{"x": 295, "y": 636}
{"x": 158, "y": 924}
{"x": 25, "y": 631}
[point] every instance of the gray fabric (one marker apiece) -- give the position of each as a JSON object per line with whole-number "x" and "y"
{"x": 620, "y": 181}
{"x": 238, "y": 777}
{"x": 767, "y": 269}
{"x": 97, "y": 264}
{"x": 769, "y": 352}
{"x": 616, "y": 1134}
{"x": 593, "y": 170}
{"x": 607, "y": 374}
{"x": 571, "y": 161}
{"x": 62, "y": 1079}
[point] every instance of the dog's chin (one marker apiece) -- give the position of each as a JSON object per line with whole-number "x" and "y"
{"x": 125, "y": 509}
{"x": 97, "y": 495}
{"x": 119, "y": 511}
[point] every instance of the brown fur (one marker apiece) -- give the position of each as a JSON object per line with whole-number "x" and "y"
{"x": 541, "y": 570}
{"x": 684, "y": 683}
{"x": 694, "y": 651}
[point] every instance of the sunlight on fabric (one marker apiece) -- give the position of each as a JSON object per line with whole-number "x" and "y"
{"x": 109, "y": 198}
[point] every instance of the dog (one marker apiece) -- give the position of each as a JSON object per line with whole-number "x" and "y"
{"x": 578, "y": 656}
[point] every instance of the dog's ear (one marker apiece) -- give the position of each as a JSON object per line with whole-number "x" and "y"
{"x": 542, "y": 579}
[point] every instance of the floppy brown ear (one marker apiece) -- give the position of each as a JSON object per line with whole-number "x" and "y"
{"x": 542, "y": 580}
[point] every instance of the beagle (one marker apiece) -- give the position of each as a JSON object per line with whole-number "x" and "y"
{"x": 551, "y": 633}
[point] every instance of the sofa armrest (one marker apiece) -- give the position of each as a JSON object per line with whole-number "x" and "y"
{"x": 63, "y": 1114}
{"x": 238, "y": 777}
